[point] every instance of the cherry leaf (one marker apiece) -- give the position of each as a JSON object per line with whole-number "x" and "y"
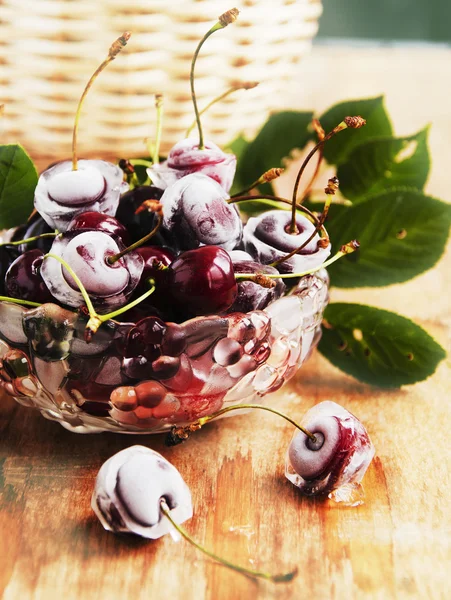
{"x": 337, "y": 149}
{"x": 377, "y": 346}
{"x": 384, "y": 163}
{"x": 18, "y": 179}
{"x": 402, "y": 233}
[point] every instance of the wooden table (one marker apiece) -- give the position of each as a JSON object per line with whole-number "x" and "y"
{"x": 394, "y": 546}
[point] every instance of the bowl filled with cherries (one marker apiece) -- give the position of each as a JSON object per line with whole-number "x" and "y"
{"x": 137, "y": 297}
{"x": 139, "y": 307}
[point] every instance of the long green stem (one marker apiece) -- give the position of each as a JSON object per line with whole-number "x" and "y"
{"x": 346, "y": 249}
{"x": 279, "y": 578}
{"x": 224, "y": 20}
{"x": 114, "y": 50}
{"x": 31, "y": 239}
{"x": 223, "y": 411}
{"x": 17, "y": 301}
{"x": 191, "y": 78}
{"x": 124, "y": 309}
{"x": 81, "y": 287}
{"x": 112, "y": 259}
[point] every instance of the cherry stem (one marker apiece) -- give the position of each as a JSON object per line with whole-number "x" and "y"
{"x": 309, "y": 187}
{"x": 18, "y": 301}
{"x": 244, "y": 86}
{"x": 346, "y": 249}
{"x": 95, "y": 321}
{"x": 303, "y": 209}
{"x": 267, "y": 176}
{"x": 340, "y": 127}
{"x": 156, "y": 148}
{"x": 114, "y": 50}
{"x": 223, "y": 411}
{"x": 31, "y": 239}
{"x": 112, "y": 259}
{"x": 351, "y": 122}
{"x": 321, "y": 134}
{"x": 318, "y": 227}
{"x": 223, "y": 21}
{"x": 131, "y": 305}
{"x": 279, "y": 578}
{"x": 81, "y": 287}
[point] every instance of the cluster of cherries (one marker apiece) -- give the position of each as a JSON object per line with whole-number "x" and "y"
{"x": 180, "y": 239}
{"x": 200, "y": 258}
{"x": 101, "y": 246}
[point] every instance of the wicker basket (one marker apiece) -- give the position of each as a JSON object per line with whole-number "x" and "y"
{"x": 49, "y": 48}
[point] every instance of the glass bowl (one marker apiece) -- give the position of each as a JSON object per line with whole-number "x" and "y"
{"x": 144, "y": 379}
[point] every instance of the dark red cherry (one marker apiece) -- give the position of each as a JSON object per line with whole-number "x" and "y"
{"x": 36, "y": 226}
{"x": 100, "y": 222}
{"x": 150, "y": 255}
{"x": 139, "y": 225}
{"x": 23, "y": 279}
{"x": 6, "y": 258}
{"x": 202, "y": 281}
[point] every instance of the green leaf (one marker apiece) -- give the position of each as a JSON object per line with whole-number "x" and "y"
{"x": 388, "y": 162}
{"x": 18, "y": 179}
{"x": 378, "y": 125}
{"x": 238, "y": 146}
{"x": 401, "y": 232}
{"x": 377, "y": 346}
{"x": 283, "y": 132}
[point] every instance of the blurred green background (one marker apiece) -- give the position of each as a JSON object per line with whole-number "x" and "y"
{"x": 428, "y": 20}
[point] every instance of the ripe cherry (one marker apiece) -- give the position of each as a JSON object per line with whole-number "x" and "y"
{"x": 23, "y": 279}
{"x": 139, "y": 225}
{"x": 99, "y": 222}
{"x": 202, "y": 281}
{"x": 37, "y": 226}
{"x": 6, "y": 258}
{"x": 154, "y": 256}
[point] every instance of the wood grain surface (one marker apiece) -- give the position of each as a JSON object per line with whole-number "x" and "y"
{"x": 397, "y": 545}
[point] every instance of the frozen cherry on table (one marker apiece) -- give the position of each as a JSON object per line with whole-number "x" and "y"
{"x": 129, "y": 489}
{"x": 202, "y": 281}
{"x": 24, "y": 279}
{"x": 99, "y": 222}
{"x": 336, "y": 462}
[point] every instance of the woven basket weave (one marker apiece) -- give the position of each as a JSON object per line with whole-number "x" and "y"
{"x": 49, "y": 48}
